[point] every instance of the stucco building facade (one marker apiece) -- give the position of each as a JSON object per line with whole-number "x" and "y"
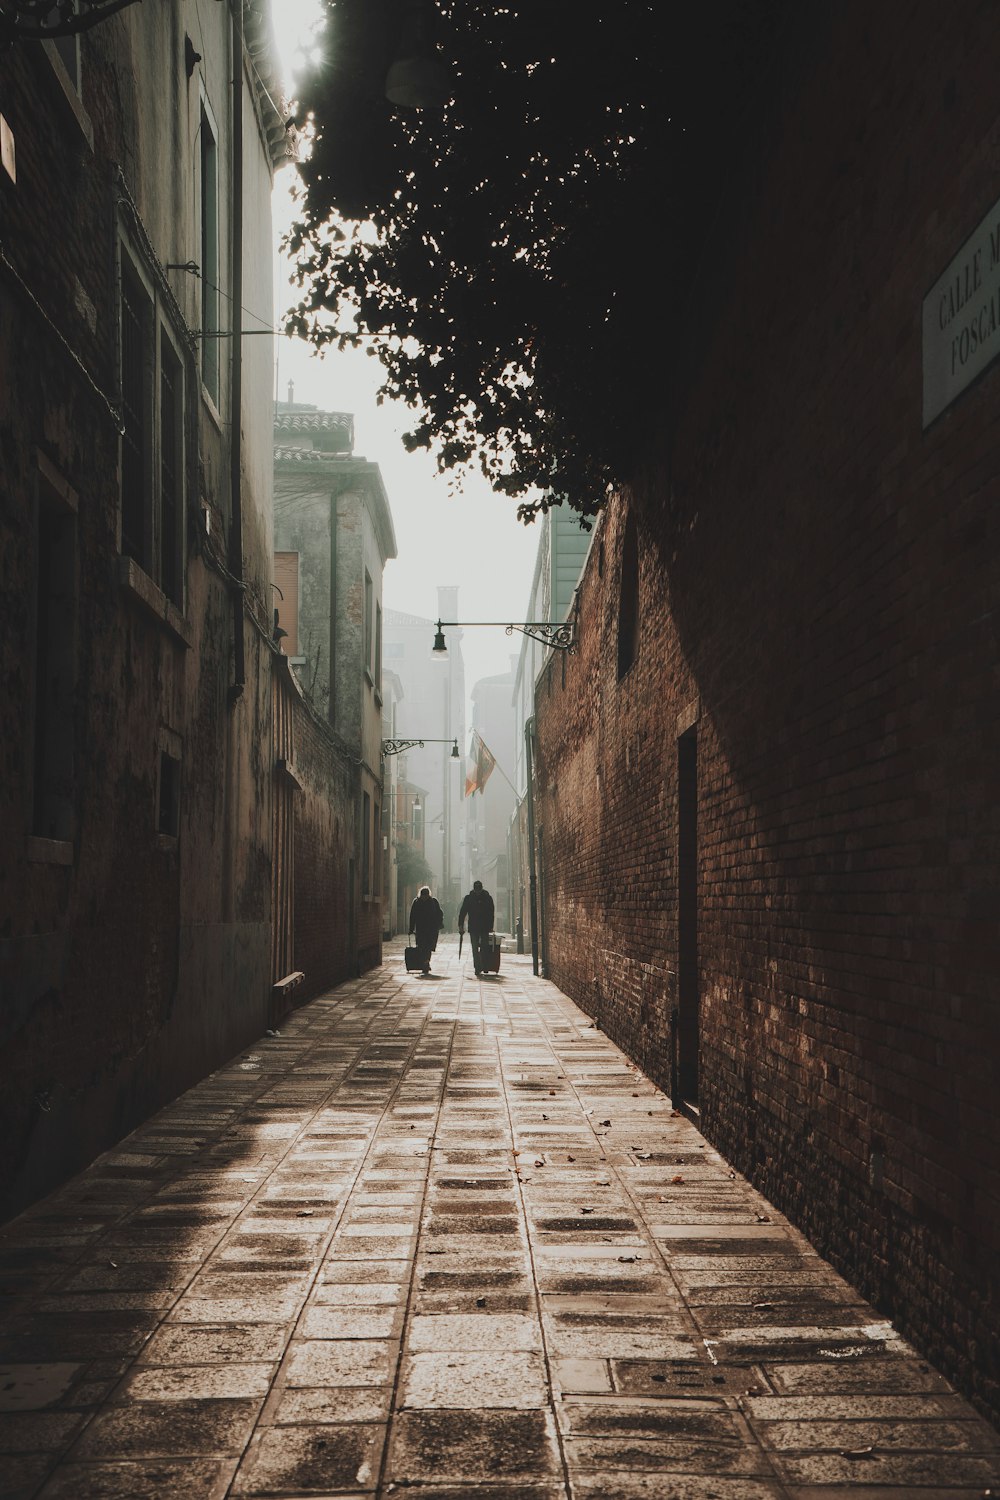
{"x": 135, "y": 537}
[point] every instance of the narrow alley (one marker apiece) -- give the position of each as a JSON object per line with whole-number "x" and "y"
{"x": 440, "y": 1235}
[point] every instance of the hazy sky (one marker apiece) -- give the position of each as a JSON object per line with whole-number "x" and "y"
{"x": 473, "y": 539}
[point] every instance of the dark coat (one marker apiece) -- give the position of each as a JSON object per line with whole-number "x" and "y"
{"x": 426, "y": 921}
{"x": 478, "y": 911}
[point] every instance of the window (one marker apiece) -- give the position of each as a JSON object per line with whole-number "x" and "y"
{"x": 369, "y": 620}
{"x": 378, "y": 647}
{"x": 377, "y": 832}
{"x": 418, "y": 823}
{"x": 54, "y": 657}
{"x": 137, "y": 440}
{"x": 153, "y": 443}
{"x": 628, "y": 600}
{"x": 366, "y": 845}
{"x": 286, "y": 577}
{"x": 210, "y": 325}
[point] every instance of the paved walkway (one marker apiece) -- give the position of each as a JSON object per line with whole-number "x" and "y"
{"x": 440, "y": 1238}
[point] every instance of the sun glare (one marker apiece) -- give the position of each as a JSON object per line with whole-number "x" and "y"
{"x": 295, "y": 35}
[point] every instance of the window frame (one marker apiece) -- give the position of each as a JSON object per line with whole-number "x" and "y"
{"x": 144, "y": 539}
{"x": 209, "y": 256}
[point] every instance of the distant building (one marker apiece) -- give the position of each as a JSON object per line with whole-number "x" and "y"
{"x": 489, "y": 811}
{"x": 333, "y": 535}
{"x": 563, "y": 547}
{"x": 433, "y": 709}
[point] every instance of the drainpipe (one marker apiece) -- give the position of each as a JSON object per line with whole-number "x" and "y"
{"x": 529, "y": 730}
{"x": 236, "y": 386}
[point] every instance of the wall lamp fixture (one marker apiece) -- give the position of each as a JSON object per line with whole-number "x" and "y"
{"x": 561, "y": 635}
{"x": 396, "y": 747}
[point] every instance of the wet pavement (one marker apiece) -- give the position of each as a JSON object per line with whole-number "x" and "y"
{"x": 440, "y": 1238}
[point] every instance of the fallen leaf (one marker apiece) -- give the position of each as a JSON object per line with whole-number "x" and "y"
{"x": 677, "y": 1178}
{"x": 764, "y": 1218}
{"x": 627, "y": 1260}
{"x": 304, "y": 1213}
{"x": 763, "y": 1306}
{"x": 113, "y": 1264}
{"x": 539, "y": 1164}
{"x": 605, "y": 1122}
{"x": 545, "y": 1117}
{"x": 635, "y": 1096}
{"x": 480, "y": 1301}
{"x": 857, "y": 1452}
{"x": 586, "y": 1210}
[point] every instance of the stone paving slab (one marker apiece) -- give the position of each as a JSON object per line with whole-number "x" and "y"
{"x": 441, "y": 1238}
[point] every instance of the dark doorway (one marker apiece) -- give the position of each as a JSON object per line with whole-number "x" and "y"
{"x": 687, "y": 916}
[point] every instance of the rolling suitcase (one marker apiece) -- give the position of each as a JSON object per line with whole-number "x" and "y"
{"x": 412, "y": 956}
{"x": 493, "y": 957}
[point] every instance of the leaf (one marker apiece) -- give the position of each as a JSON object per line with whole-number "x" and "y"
{"x": 857, "y": 1452}
{"x": 586, "y": 1210}
{"x": 678, "y": 1177}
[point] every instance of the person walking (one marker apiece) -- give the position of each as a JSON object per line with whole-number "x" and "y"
{"x": 426, "y": 921}
{"x": 477, "y": 910}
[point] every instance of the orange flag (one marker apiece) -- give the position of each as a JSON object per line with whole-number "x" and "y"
{"x": 482, "y": 763}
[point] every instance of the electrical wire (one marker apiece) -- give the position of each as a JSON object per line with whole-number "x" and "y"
{"x": 114, "y": 411}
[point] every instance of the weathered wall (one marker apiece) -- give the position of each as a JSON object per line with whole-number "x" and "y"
{"x": 132, "y": 961}
{"x": 324, "y": 847}
{"x": 818, "y": 580}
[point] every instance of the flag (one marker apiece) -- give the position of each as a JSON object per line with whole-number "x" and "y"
{"x": 482, "y": 764}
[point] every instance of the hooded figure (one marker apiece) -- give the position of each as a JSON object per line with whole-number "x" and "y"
{"x": 426, "y": 921}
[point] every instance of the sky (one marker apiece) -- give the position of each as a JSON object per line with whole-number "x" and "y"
{"x": 472, "y": 539}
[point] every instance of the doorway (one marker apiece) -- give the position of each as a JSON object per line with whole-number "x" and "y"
{"x": 687, "y": 917}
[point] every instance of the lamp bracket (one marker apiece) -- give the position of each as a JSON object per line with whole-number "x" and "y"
{"x": 560, "y": 637}
{"x": 396, "y": 747}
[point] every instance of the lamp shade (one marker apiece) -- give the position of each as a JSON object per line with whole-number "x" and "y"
{"x": 440, "y": 644}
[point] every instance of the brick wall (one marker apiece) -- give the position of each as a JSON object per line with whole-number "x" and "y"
{"x": 817, "y": 581}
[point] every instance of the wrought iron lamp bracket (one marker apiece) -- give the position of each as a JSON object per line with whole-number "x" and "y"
{"x": 558, "y": 636}
{"x": 396, "y": 747}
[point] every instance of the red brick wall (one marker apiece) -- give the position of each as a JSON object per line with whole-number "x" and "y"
{"x": 817, "y": 582}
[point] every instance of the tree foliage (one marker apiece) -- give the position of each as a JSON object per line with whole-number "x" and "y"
{"x": 525, "y": 253}
{"x": 411, "y": 866}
